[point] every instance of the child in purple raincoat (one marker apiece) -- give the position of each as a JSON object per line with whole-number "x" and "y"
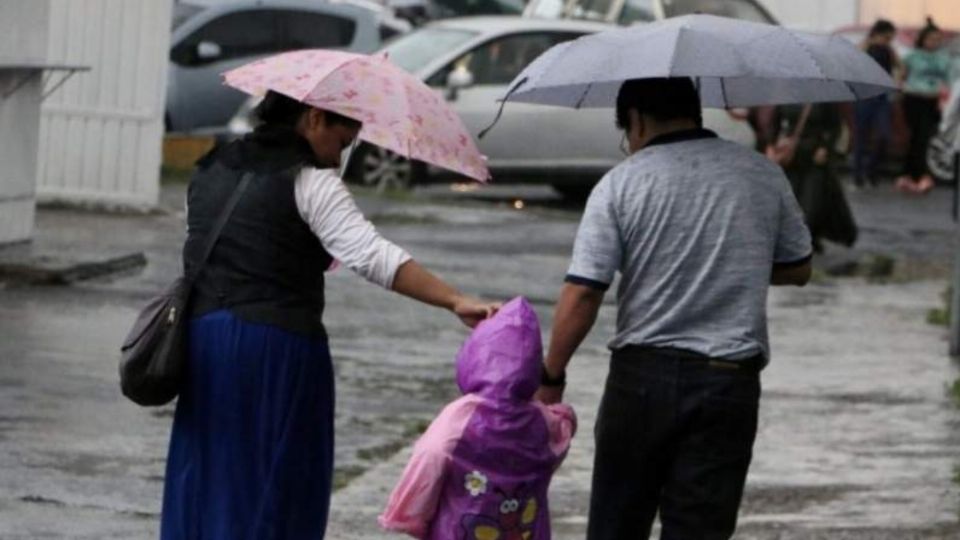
{"x": 482, "y": 469}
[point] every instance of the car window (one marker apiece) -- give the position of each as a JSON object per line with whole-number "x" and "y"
{"x": 546, "y": 9}
{"x": 307, "y": 30}
{"x": 747, "y": 10}
{"x": 387, "y": 33}
{"x": 238, "y": 34}
{"x": 416, "y": 50}
{"x": 596, "y": 10}
{"x": 499, "y": 61}
{"x": 637, "y": 11}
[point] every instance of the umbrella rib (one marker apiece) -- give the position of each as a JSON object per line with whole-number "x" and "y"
{"x": 852, "y": 90}
{"x": 584, "y": 96}
{"x": 676, "y": 46}
{"x": 813, "y": 58}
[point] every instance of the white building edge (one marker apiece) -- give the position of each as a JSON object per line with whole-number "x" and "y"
{"x": 101, "y": 132}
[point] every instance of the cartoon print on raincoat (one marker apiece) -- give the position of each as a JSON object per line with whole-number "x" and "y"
{"x": 482, "y": 469}
{"x": 515, "y": 516}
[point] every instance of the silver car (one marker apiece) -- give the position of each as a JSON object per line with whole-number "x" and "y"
{"x": 208, "y": 41}
{"x": 472, "y": 60}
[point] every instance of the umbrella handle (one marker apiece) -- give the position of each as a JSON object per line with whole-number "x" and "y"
{"x": 346, "y": 162}
{"x": 503, "y": 103}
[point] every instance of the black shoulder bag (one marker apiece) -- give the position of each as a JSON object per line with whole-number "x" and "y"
{"x": 154, "y": 354}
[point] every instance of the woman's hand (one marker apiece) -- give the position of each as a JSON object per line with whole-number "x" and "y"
{"x": 416, "y": 282}
{"x": 471, "y": 310}
{"x": 821, "y": 156}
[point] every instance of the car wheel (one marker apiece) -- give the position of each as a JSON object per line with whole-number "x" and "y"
{"x": 940, "y": 158}
{"x": 382, "y": 169}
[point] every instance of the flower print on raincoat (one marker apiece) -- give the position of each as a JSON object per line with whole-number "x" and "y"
{"x": 482, "y": 469}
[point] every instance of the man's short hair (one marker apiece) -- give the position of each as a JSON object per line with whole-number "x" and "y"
{"x": 663, "y": 99}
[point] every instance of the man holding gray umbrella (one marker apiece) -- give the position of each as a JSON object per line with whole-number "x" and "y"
{"x": 698, "y": 229}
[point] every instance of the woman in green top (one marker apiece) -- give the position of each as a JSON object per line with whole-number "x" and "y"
{"x": 927, "y": 73}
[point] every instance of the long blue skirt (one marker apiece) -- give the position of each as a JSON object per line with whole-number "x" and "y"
{"x": 251, "y": 454}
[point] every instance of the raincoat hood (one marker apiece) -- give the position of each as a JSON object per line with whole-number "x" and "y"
{"x": 502, "y": 358}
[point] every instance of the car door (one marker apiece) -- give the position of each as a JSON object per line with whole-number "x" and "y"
{"x": 527, "y": 138}
{"x": 229, "y": 40}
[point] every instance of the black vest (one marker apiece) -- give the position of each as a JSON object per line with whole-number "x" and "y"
{"x": 267, "y": 266}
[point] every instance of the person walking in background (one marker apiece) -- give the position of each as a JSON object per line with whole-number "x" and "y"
{"x": 874, "y": 117}
{"x": 808, "y": 155}
{"x": 927, "y": 72}
{"x": 698, "y": 228}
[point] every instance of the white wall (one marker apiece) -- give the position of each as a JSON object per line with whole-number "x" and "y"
{"x": 101, "y": 133}
{"x": 23, "y": 36}
{"x": 815, "y": 15}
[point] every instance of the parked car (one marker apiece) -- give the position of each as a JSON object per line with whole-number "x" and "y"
{"x": 633, "y": 11}
{"x": 208, "y": 41}
{"x": 471, "y": 61}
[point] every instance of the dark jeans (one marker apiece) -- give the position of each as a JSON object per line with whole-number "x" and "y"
{"x": 923, "y": 115}
{"x": 874, "y": 128}
{"x": 674, "y": 434}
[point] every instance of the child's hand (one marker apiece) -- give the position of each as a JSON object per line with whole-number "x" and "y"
{"x": 549, "y": 395}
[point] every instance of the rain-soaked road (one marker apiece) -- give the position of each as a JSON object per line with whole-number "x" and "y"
{"x": 858, "y": 438}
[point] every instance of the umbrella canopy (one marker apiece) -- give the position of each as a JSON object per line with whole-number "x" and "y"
{"x": 399, "y": 112}
{"x": 734, "y": 64}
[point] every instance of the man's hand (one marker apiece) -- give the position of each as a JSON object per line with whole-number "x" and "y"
{"x": 549, "y": 395}
{"x": 798, "y": 274}
{"x": 573, "y": 317}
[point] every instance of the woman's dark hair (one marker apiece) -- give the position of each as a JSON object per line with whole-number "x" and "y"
{"x": 881, "y": 27}
{"x": 929, "y": 29}
{"x": 278, "y": 110}
{"x": 663, "y": 99}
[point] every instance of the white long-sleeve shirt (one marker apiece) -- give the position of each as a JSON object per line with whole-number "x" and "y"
{"x": 332, "y": 214}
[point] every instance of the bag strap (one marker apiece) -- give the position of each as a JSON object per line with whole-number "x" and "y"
{"x": 222, "y": 219}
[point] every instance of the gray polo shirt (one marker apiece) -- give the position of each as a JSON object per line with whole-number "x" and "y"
{"x": 694, "y": 224}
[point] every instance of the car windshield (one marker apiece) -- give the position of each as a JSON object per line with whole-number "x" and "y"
{"x": 414, "y": 51}
{"x": 746, "y": 10}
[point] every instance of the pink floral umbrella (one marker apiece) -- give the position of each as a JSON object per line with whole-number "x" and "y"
{"x": 399, "y": 112}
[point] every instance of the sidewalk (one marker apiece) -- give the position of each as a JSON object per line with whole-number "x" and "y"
{"x": 857, "y": 437}
{"x": 857, "y": 440}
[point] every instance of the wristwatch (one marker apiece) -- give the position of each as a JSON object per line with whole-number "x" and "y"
{"x": 553, "y": 382}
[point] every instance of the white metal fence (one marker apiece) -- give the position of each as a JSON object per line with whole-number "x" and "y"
{"x": 101, "y": 133}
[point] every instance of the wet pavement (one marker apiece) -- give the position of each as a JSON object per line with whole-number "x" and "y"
{"x": 858, "y": 436}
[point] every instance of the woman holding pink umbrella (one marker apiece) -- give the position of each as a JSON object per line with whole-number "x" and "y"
{"x": 251, "y": 453}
